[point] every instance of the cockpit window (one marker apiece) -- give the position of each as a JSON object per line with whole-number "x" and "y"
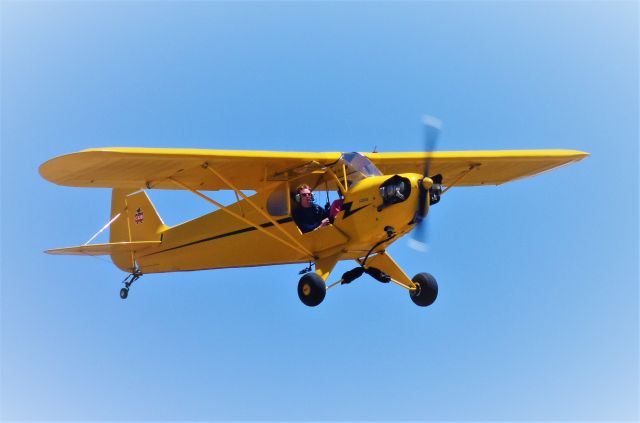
{"x": 278, "y": 201}
{"x": 357, "y": 167}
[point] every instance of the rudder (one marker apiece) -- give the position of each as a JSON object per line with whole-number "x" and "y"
{"x": 138, "y": 221}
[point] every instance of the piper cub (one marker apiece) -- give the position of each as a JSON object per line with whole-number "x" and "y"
{"x": 383, "y": 196}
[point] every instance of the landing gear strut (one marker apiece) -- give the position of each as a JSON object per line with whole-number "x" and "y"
{"x": 128, "y": 281}
{"x": 423, "y": 291}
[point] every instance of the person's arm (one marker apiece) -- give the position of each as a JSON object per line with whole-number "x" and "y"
{"x": 308, "y": 227}
{"x": 323, "y": 215}
{"x": 335, "y": 208}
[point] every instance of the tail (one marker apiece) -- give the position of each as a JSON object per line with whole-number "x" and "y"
{"x": 138, "y": 221}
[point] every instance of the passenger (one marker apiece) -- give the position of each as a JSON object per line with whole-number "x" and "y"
{"x": 336, "y": 206}
{"x": 308, "y": 215}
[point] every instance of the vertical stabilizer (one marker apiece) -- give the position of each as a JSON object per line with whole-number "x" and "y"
{"x": 138, "y": 221}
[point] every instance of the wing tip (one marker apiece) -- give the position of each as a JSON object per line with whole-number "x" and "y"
{"x": 582, "y": 154}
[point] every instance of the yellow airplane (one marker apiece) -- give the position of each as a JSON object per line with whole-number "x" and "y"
{"x": 386, "y": 195}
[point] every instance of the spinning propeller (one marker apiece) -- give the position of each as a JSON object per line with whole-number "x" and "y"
{"x": 430, "y": 184}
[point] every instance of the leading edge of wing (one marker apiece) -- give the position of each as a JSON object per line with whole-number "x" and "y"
{"x": 220, "y": 154}
{"x": 572, "y": 155}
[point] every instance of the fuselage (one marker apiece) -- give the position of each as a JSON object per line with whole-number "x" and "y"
{"x": 373, "y": 208}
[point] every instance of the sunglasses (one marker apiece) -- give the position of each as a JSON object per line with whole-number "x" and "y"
{"x": 305, "y": 194}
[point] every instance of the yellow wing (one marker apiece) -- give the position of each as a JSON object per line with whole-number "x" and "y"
{"x": 137, "y": 168}
{"x": 487, "y": 167}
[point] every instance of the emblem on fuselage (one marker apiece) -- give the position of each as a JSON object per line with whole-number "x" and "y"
{"x": 348, "y": 211}
{"x": 139, "y": 216}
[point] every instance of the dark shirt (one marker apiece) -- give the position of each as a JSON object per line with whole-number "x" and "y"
{"x": 308, "y": 218}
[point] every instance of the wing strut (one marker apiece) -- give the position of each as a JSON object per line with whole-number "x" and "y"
{"x": 258, "y": 209}
{"x": 244, "y": 219}
{"x": 386, "y": 264}
{"x": 459, "y": 178}
{"x": 103, "y": 228}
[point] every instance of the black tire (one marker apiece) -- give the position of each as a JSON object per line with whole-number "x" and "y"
{"x": 124, "y": 293}
{"x": 311, "y": 289}
{"x": 427, "y": 291}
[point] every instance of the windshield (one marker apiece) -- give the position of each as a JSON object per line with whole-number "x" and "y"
{"x": 357, "y": 166}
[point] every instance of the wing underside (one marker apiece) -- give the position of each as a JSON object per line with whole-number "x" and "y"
{"x": 475, "y": 168}
{"x": 138, "y": 168}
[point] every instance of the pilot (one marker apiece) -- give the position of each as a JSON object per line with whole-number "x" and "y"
{"x": 308, "y": 215}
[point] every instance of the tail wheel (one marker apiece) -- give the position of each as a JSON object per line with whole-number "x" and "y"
{"x": 311, "y": 289}
{"x": 427, "y": 289}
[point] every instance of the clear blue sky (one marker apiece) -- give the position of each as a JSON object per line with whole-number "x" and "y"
{"x": 537, "y": 316}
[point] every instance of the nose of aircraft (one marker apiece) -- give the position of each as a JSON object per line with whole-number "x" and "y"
{"x": 426, "y": 182}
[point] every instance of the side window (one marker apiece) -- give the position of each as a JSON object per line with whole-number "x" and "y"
{"x": 278, "y": 201}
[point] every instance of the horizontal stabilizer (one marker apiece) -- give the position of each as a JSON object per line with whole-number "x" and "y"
{"x": 105, "y": 249}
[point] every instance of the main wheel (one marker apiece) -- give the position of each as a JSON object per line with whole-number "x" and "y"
{"x": 124, "y": 293}
{"x": 427, "y": 291}
{"x": 311, "y": 289}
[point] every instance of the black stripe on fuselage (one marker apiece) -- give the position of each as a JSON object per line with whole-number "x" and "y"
{"x": 212, "y": 238}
